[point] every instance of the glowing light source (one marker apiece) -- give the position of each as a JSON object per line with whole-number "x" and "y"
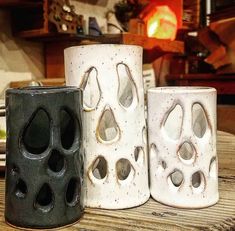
{"x": 152, "y": 28}
{"x": 162, "y": 24}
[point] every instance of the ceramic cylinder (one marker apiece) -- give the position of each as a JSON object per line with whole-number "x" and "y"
{"x": 182, "y": 144}
{"x": 116, "y": 173}
{"x": 44, "y": 157}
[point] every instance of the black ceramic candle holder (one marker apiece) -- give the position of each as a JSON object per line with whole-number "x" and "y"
{"x": 44, "y": 157}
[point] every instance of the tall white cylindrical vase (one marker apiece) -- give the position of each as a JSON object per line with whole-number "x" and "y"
{"x": 182, "y": 144}
{"x": 116, "y": 164}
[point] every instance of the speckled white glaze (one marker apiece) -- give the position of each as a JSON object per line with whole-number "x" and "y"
{"x": 102, "y": 61}
{"x": 165, "y": 146}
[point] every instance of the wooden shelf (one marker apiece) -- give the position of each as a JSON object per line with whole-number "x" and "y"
{"x": 200, "y": 76}
{"x": 29, "y": 17}
{"x": 123, "y": 38}
{"x": 32, "y": 33}
{"x": 224, "y": 84}
{"x": 20, "y": 3}
{"x": 222, "y": 14}
{"x": 44, "y": 82}
{"x": 55, "y": 45}
{"x": 32, "y": 23}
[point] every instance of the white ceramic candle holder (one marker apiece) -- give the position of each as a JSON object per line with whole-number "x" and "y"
{"x": 116, "y": 171}
{"x": 182, "y": 144}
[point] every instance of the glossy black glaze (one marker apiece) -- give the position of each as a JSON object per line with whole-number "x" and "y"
{"x": 44, "y": 161}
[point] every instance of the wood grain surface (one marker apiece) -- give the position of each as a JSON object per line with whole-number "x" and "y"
{"x": 155, "y": 216}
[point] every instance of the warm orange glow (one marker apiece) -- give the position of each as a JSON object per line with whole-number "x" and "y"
{"x": 162, "y": 24}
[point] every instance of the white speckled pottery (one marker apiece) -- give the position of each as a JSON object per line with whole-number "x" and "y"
{"x": 182, "y": 144}
{"x": 116, "y": 164}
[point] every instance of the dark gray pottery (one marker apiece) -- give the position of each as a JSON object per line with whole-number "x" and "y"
{"x": 44, "y": 157}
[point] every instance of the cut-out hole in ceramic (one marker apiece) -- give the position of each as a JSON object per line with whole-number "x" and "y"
{"x": 186, "y": 153}
{"x": 139, "y": 155}
{"x": 198, "y": 182}
{"x": 44, "y": 198}
{"x": 108, "y": 129}
{"x": 21, "y": 189}
{"x": 56, "y": 161}
{"x": 127, "y": 92}
{"x": 67, "y": 129}
{"x": 123, "y": 168}
{"x": 36, "y": 136}
{"x": 176, "y": 178}
{"x": 199, "y": 120}
{"x": 173, "y": 122}
{"x": 99, "y": 168}
{"x": 213, "y": 167}
{"x": 72, "y": 192}
{"x": 91, "y": 89}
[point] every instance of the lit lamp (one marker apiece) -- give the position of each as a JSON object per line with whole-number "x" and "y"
{"x": 163, "y": 18}
{"x": 162, "y": 24}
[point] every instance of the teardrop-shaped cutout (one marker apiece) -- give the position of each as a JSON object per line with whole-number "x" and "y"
{"x": 91, "y": 89}
{"x": 99, "y": 168}
{"x": 67, "y": 129}
{"x": 213, "y": 167}
{"x": 139, "y": 155}
{"x": 127, "y": 92}
{"x": 123, "y": 168}
{"x": 199, "y": 120}
{"x": 176, "y": 178}
{"x": 21, "y": 189}
{"x": 198, "y": 181}
{"x": 56, "y": 161}
{"x": 44, "y": 199}
{"x": 72, "y": 192}
{"x": 186, "y": 152}
{"x": 108, "y": 129}
{"x": 36, "y": 135}
{"x": 173, "y": 122}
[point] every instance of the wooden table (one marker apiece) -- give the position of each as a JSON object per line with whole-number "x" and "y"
{"x": 155, "y": 216}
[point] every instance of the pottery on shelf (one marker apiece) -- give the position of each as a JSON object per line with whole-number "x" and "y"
{"x": 113, "y": 25}
{"x": 116, "y": 173}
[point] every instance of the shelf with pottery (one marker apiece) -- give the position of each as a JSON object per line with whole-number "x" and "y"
{"x": 29, "y": 18}
{"x": 39, "y": 18}
{"x": 155, "y": 216}
{"x": 37, "y": 21}
{"x": 55, "y": 45}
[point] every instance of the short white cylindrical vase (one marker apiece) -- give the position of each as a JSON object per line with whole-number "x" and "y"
{"x": 182, "y": 146}
{"x": 116, "y": 164}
